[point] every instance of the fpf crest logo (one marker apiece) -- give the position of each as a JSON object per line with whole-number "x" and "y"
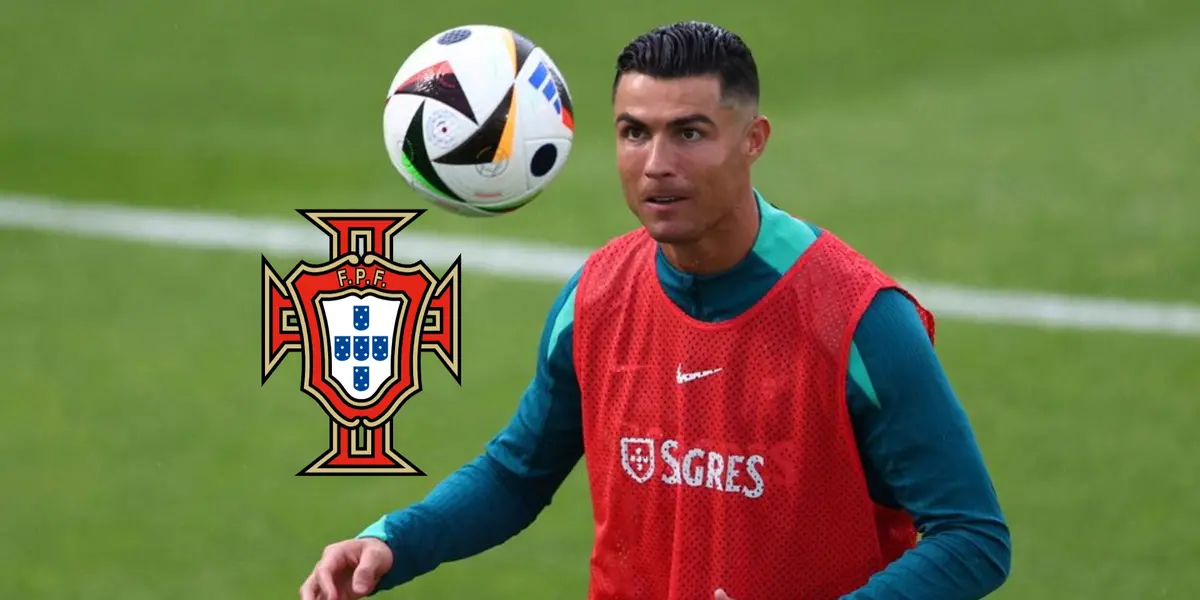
{"x": 360, "y": 323}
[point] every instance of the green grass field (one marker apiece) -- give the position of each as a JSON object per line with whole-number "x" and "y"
{"x": 1031, "y": 144}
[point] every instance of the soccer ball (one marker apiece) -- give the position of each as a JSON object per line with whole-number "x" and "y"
{"x": 478, "y": 120}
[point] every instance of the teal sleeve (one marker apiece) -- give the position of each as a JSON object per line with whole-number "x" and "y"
{"x": 920, "y": 453}
{"x": 501, "y": 492}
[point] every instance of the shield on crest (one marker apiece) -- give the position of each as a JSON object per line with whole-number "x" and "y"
{"x": 362, "y": 321}
{"x": 361, "y": 330}
{"x": 637, "y": 458}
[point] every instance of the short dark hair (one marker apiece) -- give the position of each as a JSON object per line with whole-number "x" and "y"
{"x": 691, "y": 49}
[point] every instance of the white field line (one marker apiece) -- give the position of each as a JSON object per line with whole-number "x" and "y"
{"x": 295, "y": 237}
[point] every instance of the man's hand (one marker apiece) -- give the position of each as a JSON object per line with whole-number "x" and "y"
{"x": 721, "y": 595}
{"x": 348, "y": 570}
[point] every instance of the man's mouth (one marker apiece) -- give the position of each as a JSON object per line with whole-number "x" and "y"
{"x": 664, "y": 199}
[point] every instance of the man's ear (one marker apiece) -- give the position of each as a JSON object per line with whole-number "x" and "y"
{"x": 756, "y": 137}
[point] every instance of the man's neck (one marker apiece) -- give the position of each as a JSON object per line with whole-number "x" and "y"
{"x": 722, "y": 247}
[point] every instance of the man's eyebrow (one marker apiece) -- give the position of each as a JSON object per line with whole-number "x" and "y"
{"x": 692, "y": 119}
{"x": 628, "y": 118}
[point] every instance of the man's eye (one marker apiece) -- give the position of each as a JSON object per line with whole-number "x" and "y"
{"x": 632, "y": 133}
{"x": 691, "y": 135}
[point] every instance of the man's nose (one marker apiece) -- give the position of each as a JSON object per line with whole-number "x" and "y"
{"x": 660, "y": 163}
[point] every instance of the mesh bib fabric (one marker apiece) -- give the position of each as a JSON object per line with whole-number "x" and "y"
{"x": 722, "y": 455}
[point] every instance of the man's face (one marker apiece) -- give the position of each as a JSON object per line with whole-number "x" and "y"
{"x": 684, "y": 156}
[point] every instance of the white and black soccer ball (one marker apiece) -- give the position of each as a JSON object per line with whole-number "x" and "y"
{"x": 478, "y": 120}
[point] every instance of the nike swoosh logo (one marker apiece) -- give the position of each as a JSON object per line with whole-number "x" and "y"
{"x": 682, "y": 378}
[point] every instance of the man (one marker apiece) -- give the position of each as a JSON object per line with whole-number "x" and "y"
{"x": 762, "y": 410}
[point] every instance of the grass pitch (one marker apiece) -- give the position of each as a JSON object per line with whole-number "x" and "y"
{"x": 1046, "y": 145}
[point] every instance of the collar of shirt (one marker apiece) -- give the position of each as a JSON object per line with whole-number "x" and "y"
{"x": 781, "y": 240}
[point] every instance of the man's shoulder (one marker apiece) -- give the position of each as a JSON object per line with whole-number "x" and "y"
{"x": 590, "y": 282}
{"x": 562, "y": 309}
{"x": 624, "y": 242}
{"x": 878, "y": 296}
{"x": 836, "y": 257}
{"x": 607, "y": 265}
{"x": 560, "y": 319}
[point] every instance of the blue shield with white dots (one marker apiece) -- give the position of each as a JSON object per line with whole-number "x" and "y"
{"x": 380, "y": 347}
{"x": 341, "y": 347}
{"x": 362, "y": 346}
{"x": 362, "y": 317}
{"x": 362, "y": 378}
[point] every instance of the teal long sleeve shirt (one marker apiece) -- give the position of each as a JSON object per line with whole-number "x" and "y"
{"x": 917, "y": 446}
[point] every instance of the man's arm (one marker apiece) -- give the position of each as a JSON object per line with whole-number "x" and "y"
{"x": 921, "y": 454}
{"x": 500, "y": 493}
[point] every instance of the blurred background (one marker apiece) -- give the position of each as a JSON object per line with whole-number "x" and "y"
{"x": 990, "y": 152}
